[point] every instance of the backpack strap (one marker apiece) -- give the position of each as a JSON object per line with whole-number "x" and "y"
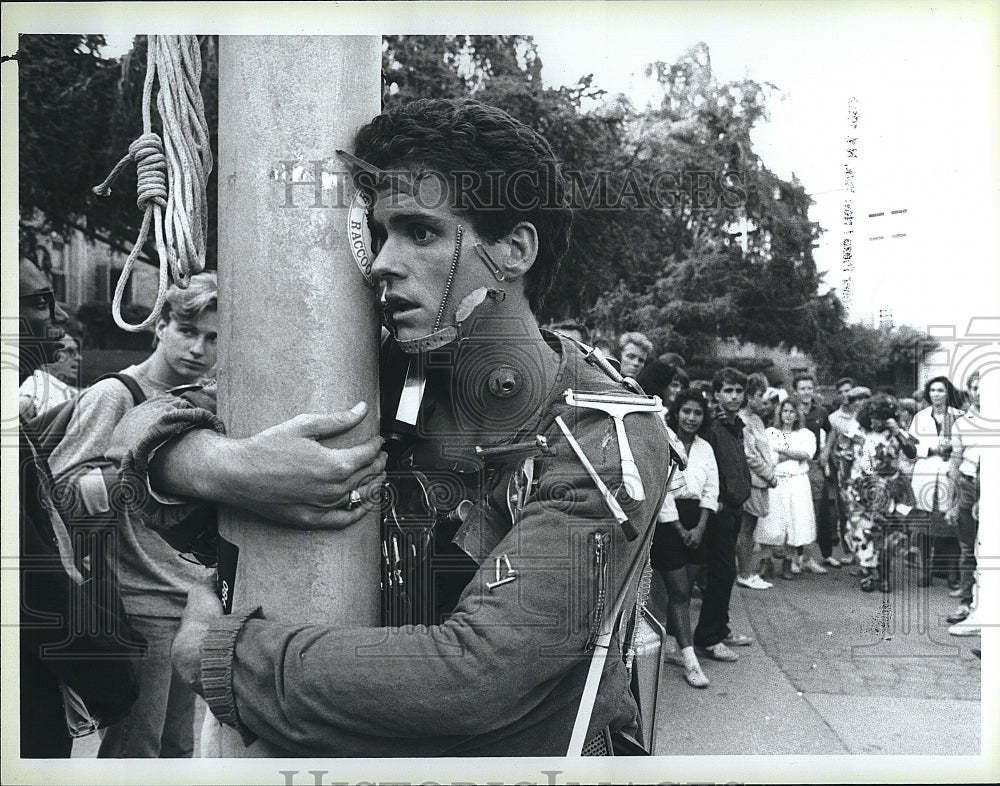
{"x": 133, "y": 387}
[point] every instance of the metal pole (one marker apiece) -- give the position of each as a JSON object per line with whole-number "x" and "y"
{"x": 298, "y": 324}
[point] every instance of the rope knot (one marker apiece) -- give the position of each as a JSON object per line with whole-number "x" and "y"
{"x": 151, "y": 170}
{"x": 180, "y": 223}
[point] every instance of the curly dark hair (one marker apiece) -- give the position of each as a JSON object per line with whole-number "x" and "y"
{"x": 684, "y": 396}
{"x": 656, "y": 377}
{"x": 881, "y": 406}
{"x": 501, "y": 172}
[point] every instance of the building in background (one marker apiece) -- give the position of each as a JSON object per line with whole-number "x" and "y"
{"x": 87, "y": 272}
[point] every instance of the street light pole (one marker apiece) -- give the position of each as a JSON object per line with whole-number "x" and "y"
{"x": 298, "y": 323}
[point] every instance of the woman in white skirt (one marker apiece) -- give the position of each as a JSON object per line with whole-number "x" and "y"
{"x": 790, "y": 522}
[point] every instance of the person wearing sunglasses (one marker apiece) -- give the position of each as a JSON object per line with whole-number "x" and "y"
{"x": 54, "y": 383}
{"x": 56, "y": 652}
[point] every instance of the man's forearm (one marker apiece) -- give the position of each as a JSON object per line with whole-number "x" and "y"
{"x": 198, "y": 464}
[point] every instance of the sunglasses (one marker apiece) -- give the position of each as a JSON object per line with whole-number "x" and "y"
{"x": 46, "y": 298}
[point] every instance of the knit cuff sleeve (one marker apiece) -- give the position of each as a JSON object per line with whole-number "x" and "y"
{"x": 217, "y": 651}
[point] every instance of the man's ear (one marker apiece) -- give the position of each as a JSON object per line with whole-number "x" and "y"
{"x": 523, "y": 243}
{"x": 161, "y": 325}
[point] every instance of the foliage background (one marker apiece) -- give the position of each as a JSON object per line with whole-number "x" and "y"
{"x": 687, "y": 273}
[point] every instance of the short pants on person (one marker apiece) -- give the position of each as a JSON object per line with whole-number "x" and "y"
{"x": 668, "y": 551}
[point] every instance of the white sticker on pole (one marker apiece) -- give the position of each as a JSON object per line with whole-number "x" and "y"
{"x": 360, "y": 235}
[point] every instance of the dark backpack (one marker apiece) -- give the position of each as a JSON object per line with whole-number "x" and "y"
{"x": 108, "y": 638}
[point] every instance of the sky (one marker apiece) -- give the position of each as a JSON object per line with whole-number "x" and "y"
{"x": 925, "y": 88}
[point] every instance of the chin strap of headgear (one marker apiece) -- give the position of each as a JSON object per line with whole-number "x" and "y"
{"x": 440, "y": 336}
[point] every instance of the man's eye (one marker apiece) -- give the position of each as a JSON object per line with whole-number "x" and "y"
{"x": 420, "y": 233}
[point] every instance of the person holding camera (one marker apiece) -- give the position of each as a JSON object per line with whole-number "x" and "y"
{"x": 933, "y": 489}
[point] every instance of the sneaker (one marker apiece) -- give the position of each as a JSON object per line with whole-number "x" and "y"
{"x": 738, "y": 640}
{"x": 847, "y": 559}
{"x": 796, "y": 568}
{"x": 959, "y": 614}
{"x": 718, "y": 652}
{"x": 832, "y": 561}
{"x": 955, "y": 593}
{"x": 812, "y": 565}
{"x": 754, "y": 582}
{"x": 695, "y": 677}
{"x": 964, "y": 630}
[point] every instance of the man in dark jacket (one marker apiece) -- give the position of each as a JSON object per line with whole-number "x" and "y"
{"x": 713, "y": 637}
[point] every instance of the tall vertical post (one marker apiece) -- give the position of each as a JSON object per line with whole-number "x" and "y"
{"x": 298, "y": 322}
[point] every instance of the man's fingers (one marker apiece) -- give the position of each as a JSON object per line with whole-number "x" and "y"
{"x": 362, "y": 476}
{"x": 320, "y": 425}
{"x": 359, "y": 458}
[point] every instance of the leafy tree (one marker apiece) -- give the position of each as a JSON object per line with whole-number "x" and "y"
{"x": 78, "y": 114}
{"x": 664, "y": 260}
{"x": 882, "y": 357}
{"x": 698, "y": 283}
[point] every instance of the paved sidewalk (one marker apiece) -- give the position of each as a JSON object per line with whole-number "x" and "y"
{"x": 833, "y": 670}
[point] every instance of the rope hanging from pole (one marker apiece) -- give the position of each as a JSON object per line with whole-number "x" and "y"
{"x": 178, "y": 212}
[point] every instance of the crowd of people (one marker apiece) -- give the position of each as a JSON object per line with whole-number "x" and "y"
{"x": 894, "y": 483}
{"x": 771, "y": 483}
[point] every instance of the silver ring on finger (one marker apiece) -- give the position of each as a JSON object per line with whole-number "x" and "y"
{"x": 353, "y": 500}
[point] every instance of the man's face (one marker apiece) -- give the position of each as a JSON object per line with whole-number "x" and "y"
{"x": 842, "y": 394}
{"x": 633, "y": 359}
{"x": 414, "y": 238}
{"x": 189, "y": 345}
{"x": 730, "y": 397}
{"x": 804, "y": 387}
{"x": 67, "y": 364}
{"x": 41, "y": 318}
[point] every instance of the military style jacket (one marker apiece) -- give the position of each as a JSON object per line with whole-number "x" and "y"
{"x": 495, "y": 665}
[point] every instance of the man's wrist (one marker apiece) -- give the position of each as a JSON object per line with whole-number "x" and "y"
{"x": 218, "y": 649}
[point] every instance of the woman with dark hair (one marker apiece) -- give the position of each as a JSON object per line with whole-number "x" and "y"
{"x": 660, "y": 378}
{"x": 678, "y": 549}
{"x": 932, "y": 488}
{"x": 877, "y": 495}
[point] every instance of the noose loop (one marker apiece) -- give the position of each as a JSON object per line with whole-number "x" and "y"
{"x": 183, "y": 160}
